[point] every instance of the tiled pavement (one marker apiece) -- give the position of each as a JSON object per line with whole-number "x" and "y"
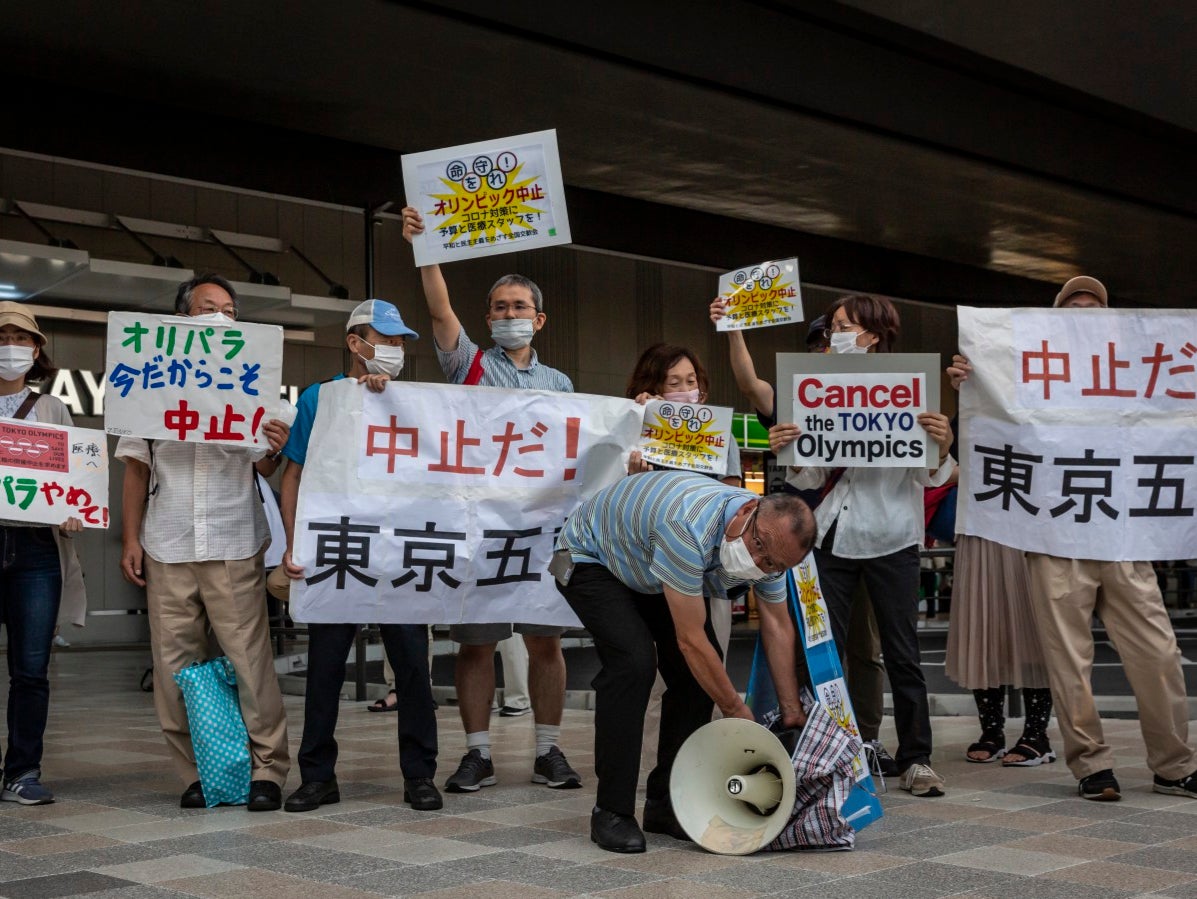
{"x": 116, "y": 830}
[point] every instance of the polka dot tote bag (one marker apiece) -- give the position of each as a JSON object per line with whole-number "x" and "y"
{"x": 218, "y": 734}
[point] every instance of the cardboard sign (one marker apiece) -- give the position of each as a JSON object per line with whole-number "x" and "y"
{"x": 49, "y": 473}
{"x": 689, "y": 436}
{"x": 761, "y": 295}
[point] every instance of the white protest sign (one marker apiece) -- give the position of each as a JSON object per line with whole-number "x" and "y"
{"x": 1079, "y": 431}
{"x": 760, "y": 295}
{"x": 859, "y": 411}
{"x": 486, "y": 198}
{"x": 439, "y": 504}
{"x": 689, "y": 436}
{"x": 50, "y": 473}
{"x": 200, "y": 379}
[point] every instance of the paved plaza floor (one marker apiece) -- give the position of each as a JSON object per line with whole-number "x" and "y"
{"x": 117, "y": 830}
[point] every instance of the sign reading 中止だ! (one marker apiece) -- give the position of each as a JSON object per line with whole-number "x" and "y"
{"x": 204, "y": 379}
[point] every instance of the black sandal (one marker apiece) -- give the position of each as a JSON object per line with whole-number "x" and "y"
{"x": 380, "y": 705}
{"x": 1034, "y": 750}
{"x": 994, "y": 744}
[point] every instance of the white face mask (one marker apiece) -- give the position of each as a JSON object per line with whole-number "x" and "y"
{"x": 683, "y": 396}
{"x": 845, "y": 342}
{"x": 737, "y": 560}
{"x": 218, "y": 318}
{"x": 15, "y": 361}
{"x": 512, "y": 333}
{"x": 388, "y": 360}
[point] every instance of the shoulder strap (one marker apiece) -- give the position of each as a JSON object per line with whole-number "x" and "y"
{"x": 153, "y": 486}
{"x": 474, "y": 375}
{"x": 27, "y": 406}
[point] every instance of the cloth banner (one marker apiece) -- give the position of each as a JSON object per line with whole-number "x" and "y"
{"x": 1078, "y": 430}
{"x": 487, "y": 198}
{"x": 439, "y": 504}
{"x": 689, "y": 436}
{"x": 201, "y": 379}
{"x": 862, "y": 807}
{"x": 52, "y": 472}
{"x": 761, "y": 295}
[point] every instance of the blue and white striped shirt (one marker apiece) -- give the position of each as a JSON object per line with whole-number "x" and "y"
{"x": 661, "y": 529}
{"x": 497, "y": 368}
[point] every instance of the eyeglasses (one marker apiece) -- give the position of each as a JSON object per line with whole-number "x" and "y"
{"x": 767, "y": 564}
{"x": 845, "y": 328}
{"x": 18, "y": 338}
{"x": 230, "y": 311}
{"x": 502, "y": 308}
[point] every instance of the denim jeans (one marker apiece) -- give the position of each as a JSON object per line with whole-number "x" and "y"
{"x": 30, "y": 591}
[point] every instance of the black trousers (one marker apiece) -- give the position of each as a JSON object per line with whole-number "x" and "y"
{"x": 634, "y": 636}
{"x": 406, "y": 647}
{"x": 892, "y": 582}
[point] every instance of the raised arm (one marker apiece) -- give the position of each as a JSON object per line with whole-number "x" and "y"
{"x": 756, "y": 391}
{"x": 445, "y": 325}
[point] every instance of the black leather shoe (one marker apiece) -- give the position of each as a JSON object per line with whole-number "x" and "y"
{"x": 313, "y": 794}
{"x": 193, "y": 797}
{"x": 264, "y": 796}
{"x": 659, "y": 818}
{"x": 421, "y": 793}
{"x": 615, "y": 833}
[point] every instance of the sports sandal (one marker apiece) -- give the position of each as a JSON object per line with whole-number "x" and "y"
{"x": 1035, "y": 751}
{"x": 381, "y": 705}
{"x": 994, "y": 744}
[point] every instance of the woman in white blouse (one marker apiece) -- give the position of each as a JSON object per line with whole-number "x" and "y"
{"x": 870, "y": 526}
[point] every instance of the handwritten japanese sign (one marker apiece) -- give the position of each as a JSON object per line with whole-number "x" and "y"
{"x": 200, "y": 379}
{"x": 690, "y": 436}
{"x": 761, "y": 295}
{"x": 439, "y": 504}
{"x": 49, "y": 473}
{"x": 859, "y": 411}
{"x": 1079, "y": 429}
{"x": 487, "y": 198}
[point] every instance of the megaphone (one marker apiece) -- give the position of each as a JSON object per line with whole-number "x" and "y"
{"x": 732, "y": 786}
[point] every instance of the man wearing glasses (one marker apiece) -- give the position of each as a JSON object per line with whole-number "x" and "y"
{"x": 514, "y": 313}
{"x": 631, "y": 562}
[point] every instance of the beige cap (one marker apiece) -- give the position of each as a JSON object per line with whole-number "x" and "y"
{"x": 1082, "y": 284}
{"x": 18, "y": 314}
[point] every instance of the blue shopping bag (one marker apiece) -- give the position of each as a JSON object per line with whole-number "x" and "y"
{"x": 218, "y": 735}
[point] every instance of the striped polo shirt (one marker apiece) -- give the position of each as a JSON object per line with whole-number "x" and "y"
{"x": 661, "y": 529}
{"x": 497, "y": 368}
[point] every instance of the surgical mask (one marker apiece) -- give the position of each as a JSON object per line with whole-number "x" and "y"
{"x": 15, "y": 361}
{"x": 737, "y": 560}
{"x": 512, "y": 333}
{"x": 684, "y": 396}
{"x": 845, "y": 342}
{"x": 216, "y": 317}
{"x": 388, "y": 360}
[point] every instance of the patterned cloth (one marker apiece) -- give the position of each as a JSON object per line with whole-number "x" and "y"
{"x": 11, "y": 403}
{"x": 218, "y": 734}
{"x": 497, "y": 368}
{"x": 661, "y": 529}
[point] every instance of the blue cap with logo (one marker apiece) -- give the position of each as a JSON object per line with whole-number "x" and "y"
{"x": 383, "y": 317}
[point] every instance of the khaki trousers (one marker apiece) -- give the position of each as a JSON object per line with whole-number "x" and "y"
{"x": 184, "y": 599}
{"x": 1065, "y": 594}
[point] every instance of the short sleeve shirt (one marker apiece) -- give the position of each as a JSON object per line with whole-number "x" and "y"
{"x": 497, "y": 368}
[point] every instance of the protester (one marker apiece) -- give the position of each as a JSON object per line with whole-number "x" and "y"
{"x": 375, "y": 336}
{"x": 631, "y": 564}
{"x": 40, "y": 574}
{"x": 194, "y": 534}
{"x": 870, "y": 528}
{"x": 515, "y": 313}
{"x": 1065, "y": 595}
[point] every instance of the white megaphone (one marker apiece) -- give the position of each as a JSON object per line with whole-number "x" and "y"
{"x": 732, "y": 786}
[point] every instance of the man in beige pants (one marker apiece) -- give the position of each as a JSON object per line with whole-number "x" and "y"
{"x": 193, "y": 534}
{"x": 1065, "y": 595}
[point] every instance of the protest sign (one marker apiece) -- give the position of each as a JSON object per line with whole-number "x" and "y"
{"x": 439, "y": 504}
{"x": 859, "y": 411}
{"x": 690, "y": 436}
{"x": 760, "y": 295}
{"x": 486, "y": 198}
{"x": 1078, "y": 430}
{"x": 50, "y": 473}
{"x": 201, "y": 379}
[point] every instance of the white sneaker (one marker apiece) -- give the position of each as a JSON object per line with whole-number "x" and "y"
{"x": 920, "y": 780}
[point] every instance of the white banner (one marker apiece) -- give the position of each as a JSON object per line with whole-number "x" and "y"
{"x": 688, "y": 436}
{"x": 439, "y": 504}
{"x": 1079, "y": 429}
{"x": 486, "y": 198}
{"x": 197, "y": 379}
{"x": 761, "y": 295}
{"x": 50, "y": 473}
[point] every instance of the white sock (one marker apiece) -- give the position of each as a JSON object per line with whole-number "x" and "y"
{"x": 547, "y": 736}
{"x": 479, "y": 740}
